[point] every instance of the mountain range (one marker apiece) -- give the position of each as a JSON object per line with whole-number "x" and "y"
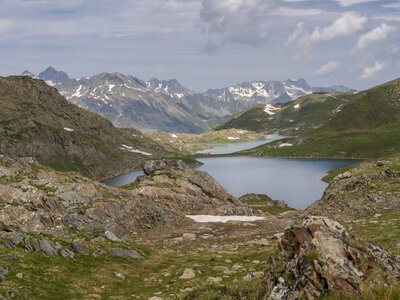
{"x": 167, "y": 105}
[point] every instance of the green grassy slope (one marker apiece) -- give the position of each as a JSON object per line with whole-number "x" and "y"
{"x": 295, "y": 117}
{"x": 366, "y": 128}
{"x": 35, "y": 120}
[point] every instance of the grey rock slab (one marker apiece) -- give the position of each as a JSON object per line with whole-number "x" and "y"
{"x": 47, "y": 248}
{"x": 125, "y": 253}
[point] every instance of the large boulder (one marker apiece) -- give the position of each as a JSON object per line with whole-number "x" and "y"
{"x": 321, "y": 258}
{"x": 149, "y": 167}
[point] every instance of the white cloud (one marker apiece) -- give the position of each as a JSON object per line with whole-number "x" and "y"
{"x": 347, "y": 24}
{"x": 371, "y": 71}
{"x": 328, "y": 68}
{"x": 346, "y": 3}
{"x": 302, "y": 39}
{"x": 378, "y": 34}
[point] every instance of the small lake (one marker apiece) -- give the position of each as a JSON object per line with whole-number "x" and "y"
{"x": 296, "y": 181}
{"x": 229, "y": 148}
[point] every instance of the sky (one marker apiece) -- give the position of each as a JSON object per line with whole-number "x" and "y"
{"x": 206, "y": 43}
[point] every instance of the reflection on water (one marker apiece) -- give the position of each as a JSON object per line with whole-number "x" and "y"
{"x": 296, "y": 181}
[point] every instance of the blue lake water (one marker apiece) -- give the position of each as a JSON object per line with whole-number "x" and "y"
{"x": 296, "y": 181}
{"x": 229, "y": 148}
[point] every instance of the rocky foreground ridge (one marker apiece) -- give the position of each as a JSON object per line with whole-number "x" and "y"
{"x": 37, "y": 199}
{"x": 320, "y": 258}
{"x": 372, "y": 187}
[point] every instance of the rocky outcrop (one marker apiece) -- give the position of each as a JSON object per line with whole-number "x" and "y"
{"x": 37, "y": 199}
{"x": 320, "y": 258}
{"x": 174, "y": 184}
{"x": 371, "y": 187}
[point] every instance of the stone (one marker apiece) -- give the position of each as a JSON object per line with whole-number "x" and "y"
{"x": 67, "y": 253}
{"x": 14, "y": 239}
{"x": 111, "y": 236}
{"x": 79, "y": 248}
{"x": 236, "y": 267}
{"x": 256, "y": 262}
{"x": 220, "y": 268}
{"x": 3, "y": 273}
{"x": 150, "y": 166}
{"x": 189, "y": 236}
{"x": 188, "y": 274}
{"x": 125, "y": 253}
{"x": 214, "y": 279}
{"x": 31, "y": 244}
{"x": 119, "y": 275}
{"x": 277, "y": 236}
{"x": 19, "y": 275}
{"x": 320, "y": 260}
{"x": 47, "y": 248}
{"x": 155, "y": 298}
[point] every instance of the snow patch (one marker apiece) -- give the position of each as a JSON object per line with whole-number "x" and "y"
{"x": 223, "y": 219}
{"x": 133, "y": 150}
{"x": 68, "y": 129}
{"x": 110, "y": 87}
{"x": 174, "y": 135}
{"x": 285, "y": 145}
{"x": 78, "y": 92}
{"x": 269, "y": 109}
{"x": 297, "y": 106}
{"x": 233, "y": 138}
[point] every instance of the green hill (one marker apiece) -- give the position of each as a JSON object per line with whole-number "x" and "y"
{"x": 35, "y": 120}
{"x": 368, "y": 127}
{"x": 291, "y": 118}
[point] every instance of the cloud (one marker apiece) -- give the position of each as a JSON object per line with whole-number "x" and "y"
{"x": 347, "y": 24}
{"x": 345, "y": 3}
{"x": 371, "y": 71}
{"x": 237, "y": 21}
{"x": 302, "y": 39}
{"x": 327, "y": 69}
{"x": 378, "y": 34}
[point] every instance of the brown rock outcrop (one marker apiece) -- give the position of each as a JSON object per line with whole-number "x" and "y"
{"x": 320, "y": 258}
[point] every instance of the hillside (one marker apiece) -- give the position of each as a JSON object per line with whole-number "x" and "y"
{"x": 291, "y": 118}
{"x": 366, "y": 128}
{"x": 35, "y": 120}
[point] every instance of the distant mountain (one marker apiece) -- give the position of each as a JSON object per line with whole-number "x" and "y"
{"x": 263, "y": 92}
{"x": 52, "y": 77}
{"x": 127, "y": 102}
{"x": 170, "y": 87}
{"x": 27, "y": 73}
{"x": 37, "y": 121}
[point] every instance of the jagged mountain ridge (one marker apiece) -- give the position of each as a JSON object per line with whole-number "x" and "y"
{"x": 167, "y": 105}
{"x": 51, "y": 76}
{"x": 127, "y": 102}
